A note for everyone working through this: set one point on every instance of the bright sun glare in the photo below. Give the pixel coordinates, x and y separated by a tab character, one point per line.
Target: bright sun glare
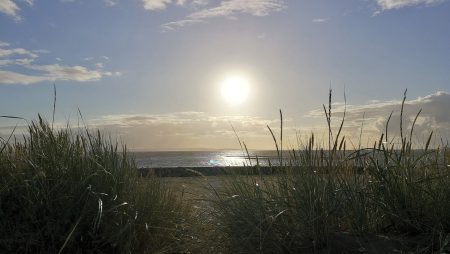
235	89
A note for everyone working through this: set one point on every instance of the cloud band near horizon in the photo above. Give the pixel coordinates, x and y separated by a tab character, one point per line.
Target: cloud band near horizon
200	130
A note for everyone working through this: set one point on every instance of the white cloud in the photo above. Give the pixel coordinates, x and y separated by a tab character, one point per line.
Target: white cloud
229	9
320	20
4	44
41	51
107	2
180	130
8	77
19	61
37	72
186	130
397	4
60	72
199	2
52	72
16	51
156	4
434	116
233	7
184	119
110	2
181	2
10	8
92	58
181	23
99	65
6	62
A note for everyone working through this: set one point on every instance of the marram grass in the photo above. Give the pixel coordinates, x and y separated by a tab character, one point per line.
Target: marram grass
67	192
75	192
332	200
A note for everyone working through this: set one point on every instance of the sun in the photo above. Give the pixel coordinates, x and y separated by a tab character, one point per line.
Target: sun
235	89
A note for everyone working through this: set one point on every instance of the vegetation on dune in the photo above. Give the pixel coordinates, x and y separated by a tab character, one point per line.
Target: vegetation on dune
77	193
378	200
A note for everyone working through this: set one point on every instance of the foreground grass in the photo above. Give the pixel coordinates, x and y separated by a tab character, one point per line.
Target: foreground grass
381	210
381	200
62	191
76	193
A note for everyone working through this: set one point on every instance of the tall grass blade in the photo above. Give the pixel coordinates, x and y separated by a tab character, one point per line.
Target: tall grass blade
401	114
281	138
275	141
54	104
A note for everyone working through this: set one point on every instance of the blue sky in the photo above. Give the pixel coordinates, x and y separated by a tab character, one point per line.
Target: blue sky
150	71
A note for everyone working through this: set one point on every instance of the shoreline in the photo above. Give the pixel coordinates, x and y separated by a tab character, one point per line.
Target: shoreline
220	171
204	171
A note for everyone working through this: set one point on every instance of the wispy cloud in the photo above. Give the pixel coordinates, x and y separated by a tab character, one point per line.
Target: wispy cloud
185	130
374	115
110	2
99	65
18	61
61	72
234	7
4	44
228	9
34	73
53	72
10	8
9	77
194	3
398	4
41	51
320	20
261	36
16	51
155	5
178	130
107	2
184	119
179	24
92	58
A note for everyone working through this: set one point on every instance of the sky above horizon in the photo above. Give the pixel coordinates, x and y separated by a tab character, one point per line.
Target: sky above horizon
151	72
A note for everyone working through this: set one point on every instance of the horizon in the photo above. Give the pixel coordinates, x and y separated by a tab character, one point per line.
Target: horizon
182	75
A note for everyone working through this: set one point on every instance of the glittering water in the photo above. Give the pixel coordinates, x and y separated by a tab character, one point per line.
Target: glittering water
215	158
203	158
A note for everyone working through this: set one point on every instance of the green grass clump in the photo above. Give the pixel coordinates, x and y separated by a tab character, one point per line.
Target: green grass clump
69	192
385	199
75	192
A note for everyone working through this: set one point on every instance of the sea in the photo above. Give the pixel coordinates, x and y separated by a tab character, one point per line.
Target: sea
222	158
229	158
